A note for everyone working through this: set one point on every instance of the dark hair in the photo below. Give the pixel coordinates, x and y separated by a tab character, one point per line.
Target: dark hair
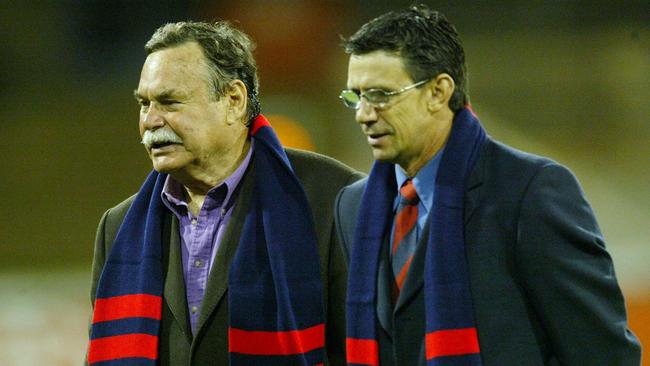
425	40
229	53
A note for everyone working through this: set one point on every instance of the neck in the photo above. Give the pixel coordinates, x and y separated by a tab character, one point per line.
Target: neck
438	140
197	184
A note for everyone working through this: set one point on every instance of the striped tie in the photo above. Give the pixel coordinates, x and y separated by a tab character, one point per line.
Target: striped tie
404	235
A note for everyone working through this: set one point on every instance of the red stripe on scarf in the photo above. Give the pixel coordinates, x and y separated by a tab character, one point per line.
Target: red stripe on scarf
127	306
276	343
123	346
259	122
452	342
362	351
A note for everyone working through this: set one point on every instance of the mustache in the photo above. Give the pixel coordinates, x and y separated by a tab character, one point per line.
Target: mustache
161	136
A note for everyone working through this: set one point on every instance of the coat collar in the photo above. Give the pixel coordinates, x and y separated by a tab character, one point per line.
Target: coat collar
475	181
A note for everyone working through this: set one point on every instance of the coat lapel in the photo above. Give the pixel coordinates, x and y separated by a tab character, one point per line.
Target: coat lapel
174	287
475	181
218	278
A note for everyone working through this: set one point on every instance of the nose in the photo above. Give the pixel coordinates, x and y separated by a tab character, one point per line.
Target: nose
151	118
366	112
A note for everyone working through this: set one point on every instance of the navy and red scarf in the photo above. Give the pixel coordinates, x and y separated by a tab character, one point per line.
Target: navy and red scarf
275	292
450	332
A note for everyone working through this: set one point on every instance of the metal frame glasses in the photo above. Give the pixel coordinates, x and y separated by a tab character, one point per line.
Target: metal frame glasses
377	98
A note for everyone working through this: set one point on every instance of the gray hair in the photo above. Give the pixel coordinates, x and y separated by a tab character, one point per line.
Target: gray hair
228	51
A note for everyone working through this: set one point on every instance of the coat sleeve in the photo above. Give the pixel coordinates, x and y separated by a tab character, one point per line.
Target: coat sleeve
106	232
337	283
99	257
569	276
337	292
341	233
346	209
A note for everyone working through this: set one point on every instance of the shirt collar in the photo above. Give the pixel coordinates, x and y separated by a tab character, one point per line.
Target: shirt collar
424	180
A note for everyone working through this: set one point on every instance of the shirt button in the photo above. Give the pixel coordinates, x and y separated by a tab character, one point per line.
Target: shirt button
194	309
198	263
223	212
194	221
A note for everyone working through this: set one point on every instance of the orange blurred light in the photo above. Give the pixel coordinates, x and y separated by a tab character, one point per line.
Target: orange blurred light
291	133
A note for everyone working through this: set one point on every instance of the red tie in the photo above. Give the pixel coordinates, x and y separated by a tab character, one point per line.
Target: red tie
404	235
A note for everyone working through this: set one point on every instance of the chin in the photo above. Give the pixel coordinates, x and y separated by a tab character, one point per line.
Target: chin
383	155
165	167
164	170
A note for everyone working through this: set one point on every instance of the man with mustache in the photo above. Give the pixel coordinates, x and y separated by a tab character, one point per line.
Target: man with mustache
226	255
461	250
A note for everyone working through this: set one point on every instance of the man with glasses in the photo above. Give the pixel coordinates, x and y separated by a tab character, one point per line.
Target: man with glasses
227	254
461	250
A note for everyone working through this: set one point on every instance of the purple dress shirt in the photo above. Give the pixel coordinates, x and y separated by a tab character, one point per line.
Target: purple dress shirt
201	235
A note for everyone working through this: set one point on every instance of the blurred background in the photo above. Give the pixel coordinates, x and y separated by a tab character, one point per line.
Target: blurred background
566	79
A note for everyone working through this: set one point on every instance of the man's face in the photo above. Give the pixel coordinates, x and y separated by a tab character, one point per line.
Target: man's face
402	131
175	97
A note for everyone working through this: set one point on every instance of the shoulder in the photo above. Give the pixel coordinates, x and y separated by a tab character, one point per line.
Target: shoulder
306	162
352	193
107	229
115	215
348	201
346	209
498	153
504	164
317	170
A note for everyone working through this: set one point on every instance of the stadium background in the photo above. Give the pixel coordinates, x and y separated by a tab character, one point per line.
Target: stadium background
567	79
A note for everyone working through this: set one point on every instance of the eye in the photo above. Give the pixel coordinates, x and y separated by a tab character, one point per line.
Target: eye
350	98
350	95
144	104
376	95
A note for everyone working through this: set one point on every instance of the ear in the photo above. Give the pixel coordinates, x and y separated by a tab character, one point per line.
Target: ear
441	88
237	99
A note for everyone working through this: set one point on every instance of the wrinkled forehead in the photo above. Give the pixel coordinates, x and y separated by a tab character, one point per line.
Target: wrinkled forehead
376	70
175	67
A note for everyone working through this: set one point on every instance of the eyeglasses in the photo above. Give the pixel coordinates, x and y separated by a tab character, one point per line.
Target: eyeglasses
377	98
